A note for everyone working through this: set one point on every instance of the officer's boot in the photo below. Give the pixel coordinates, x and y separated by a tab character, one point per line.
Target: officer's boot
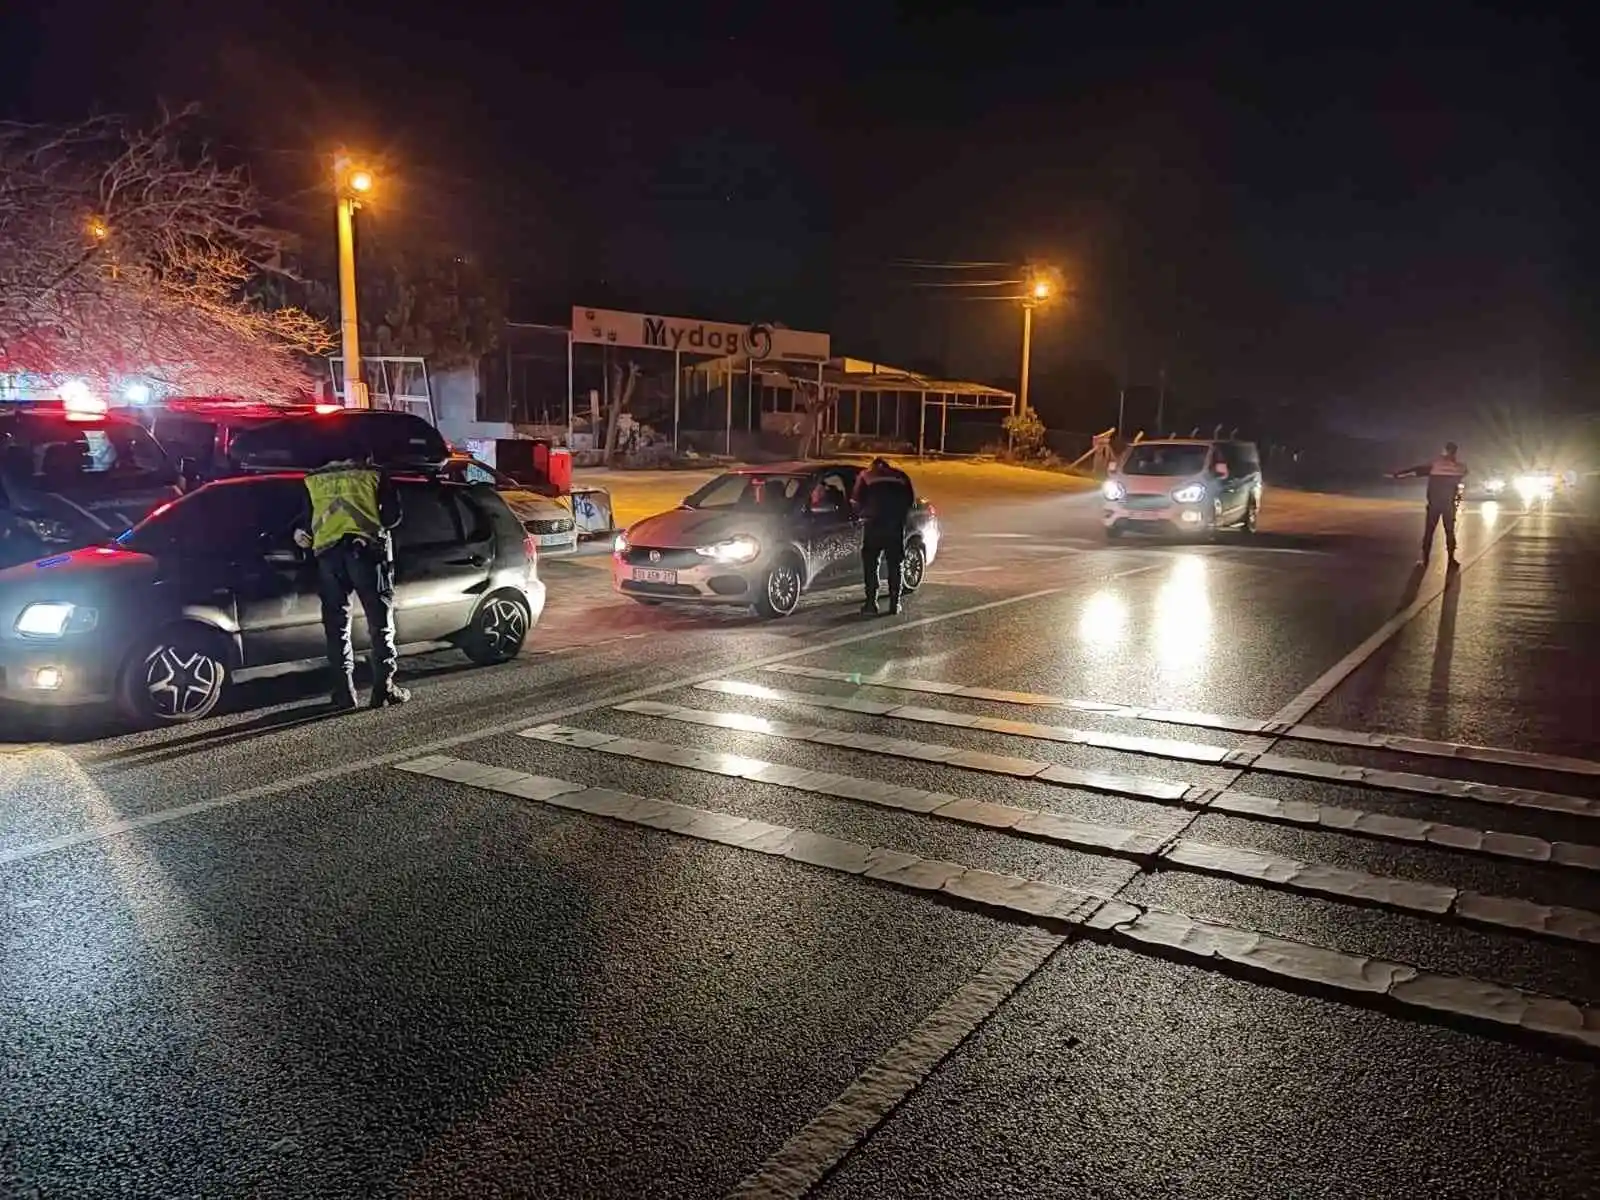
385	691
344	691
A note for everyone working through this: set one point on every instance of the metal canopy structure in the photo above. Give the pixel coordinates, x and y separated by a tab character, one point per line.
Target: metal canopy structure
858	377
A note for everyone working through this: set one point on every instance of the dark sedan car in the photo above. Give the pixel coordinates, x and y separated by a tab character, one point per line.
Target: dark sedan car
761	537
211	590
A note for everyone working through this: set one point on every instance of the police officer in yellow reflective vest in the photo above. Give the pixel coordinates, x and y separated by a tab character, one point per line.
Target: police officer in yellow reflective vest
352	509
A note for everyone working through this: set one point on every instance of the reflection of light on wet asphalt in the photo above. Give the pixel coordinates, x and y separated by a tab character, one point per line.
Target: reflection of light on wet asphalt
1489	510
1103	621
1181	627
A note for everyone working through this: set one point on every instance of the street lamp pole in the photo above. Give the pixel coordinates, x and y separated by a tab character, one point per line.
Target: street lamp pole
1038	293
1027	356
352	183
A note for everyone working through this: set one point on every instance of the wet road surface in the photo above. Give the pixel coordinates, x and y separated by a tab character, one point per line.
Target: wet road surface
1084	877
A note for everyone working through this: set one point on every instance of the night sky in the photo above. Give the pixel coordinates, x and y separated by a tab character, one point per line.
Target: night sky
1376	214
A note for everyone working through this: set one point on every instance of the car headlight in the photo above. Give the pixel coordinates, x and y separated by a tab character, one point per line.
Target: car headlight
1191	493
1112	490
619	544
1495	486
1536	487
55	618
734	550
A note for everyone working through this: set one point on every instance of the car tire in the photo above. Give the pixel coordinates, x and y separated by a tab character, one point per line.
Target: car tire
176	676
499	629
1252	519
647	601
780	590
1113	533
913	567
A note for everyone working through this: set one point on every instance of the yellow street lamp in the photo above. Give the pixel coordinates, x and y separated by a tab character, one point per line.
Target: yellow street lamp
1038	292
351	183
97	229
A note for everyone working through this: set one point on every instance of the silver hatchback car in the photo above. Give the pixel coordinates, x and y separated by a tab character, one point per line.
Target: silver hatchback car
1191	486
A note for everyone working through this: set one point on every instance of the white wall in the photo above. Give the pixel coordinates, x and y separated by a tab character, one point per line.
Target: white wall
455	399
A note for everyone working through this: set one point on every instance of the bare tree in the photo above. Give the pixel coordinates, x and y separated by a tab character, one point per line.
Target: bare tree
133	252
622	387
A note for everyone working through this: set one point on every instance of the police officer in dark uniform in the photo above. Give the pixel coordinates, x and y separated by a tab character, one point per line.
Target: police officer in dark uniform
883	499
1444	475
352	507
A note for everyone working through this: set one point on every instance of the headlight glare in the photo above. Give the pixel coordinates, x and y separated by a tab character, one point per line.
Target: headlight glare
734	550
1112	490
54	618
1191	493
619	544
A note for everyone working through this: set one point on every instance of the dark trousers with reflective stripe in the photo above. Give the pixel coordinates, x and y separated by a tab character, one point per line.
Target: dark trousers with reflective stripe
1437	514
362	567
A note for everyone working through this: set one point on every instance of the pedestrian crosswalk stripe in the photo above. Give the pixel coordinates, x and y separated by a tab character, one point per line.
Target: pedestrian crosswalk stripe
1394	742
1354	821
1144	846
1242	760
1397	987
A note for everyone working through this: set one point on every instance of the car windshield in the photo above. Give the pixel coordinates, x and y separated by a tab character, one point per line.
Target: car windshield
1169	459
59	454
470	470
745	490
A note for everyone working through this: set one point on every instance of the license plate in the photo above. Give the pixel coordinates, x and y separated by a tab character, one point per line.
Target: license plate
646	575
553	539
1136	515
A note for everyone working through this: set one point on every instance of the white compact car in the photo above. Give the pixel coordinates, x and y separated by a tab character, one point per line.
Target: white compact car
1186	486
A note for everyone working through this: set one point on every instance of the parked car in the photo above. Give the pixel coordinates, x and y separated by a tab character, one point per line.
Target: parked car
1188	486
308	440
210	591
70	479
198	433
760	537
548	522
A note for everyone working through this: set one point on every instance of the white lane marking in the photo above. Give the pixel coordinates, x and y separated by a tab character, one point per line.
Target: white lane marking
1142	846
311	778
1018	536
1355	977
1378	826
823	1142
1323	686
1397	743
1200	752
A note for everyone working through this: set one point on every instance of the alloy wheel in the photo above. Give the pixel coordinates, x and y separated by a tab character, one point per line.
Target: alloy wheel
181	682
783	589
504	624
912	568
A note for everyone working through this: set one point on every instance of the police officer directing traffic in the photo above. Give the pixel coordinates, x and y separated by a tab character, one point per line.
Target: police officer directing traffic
1444	475
883	499
353	506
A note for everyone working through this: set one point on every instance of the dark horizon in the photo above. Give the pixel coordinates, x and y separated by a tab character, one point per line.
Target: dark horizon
1377	219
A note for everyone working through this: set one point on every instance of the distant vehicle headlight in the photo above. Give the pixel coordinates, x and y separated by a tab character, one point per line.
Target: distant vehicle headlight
54	618
1495	486
1113	490
1191	493
619	544
734	550
1536	487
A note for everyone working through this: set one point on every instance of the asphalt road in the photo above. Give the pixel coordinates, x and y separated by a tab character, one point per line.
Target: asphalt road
1057	885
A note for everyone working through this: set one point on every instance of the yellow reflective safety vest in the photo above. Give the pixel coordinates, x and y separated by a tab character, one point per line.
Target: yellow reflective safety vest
344	503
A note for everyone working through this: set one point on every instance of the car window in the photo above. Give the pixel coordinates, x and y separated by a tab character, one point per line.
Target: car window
224	521
59	453
428	518
748	490
830	491
1242	458
476	472
473	519
184	437
1166	459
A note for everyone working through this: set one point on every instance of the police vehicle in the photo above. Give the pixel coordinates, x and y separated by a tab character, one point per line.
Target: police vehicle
72	475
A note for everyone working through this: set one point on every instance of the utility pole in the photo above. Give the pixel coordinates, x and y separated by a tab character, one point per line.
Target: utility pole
351	183
1027	355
